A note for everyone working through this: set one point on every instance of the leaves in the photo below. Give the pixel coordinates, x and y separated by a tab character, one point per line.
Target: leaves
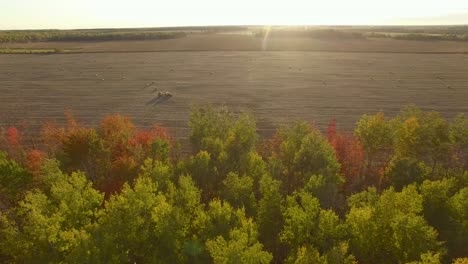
121	194
389	228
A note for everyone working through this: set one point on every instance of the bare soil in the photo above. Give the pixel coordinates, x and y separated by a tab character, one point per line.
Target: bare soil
278	87
246	42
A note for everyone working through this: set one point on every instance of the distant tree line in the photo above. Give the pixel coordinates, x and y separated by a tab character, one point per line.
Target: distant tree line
87	35
394	191
420	36
309	33
352	33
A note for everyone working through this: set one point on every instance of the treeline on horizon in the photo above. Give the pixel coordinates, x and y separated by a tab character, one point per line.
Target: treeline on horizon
352	33
393	191
417	33
108	34
85	35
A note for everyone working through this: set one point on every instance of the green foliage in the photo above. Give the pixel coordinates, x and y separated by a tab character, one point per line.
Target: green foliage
53	224
240	142
143	216
338	254
241	246
403	171
14	180
389	228
126	196
305	223
208	127
159	172
84	35
375	133
223	144
203	172
269	215
458	134
428	258
459	131
238	191
459	214
303	153
422	135
160	150
221	218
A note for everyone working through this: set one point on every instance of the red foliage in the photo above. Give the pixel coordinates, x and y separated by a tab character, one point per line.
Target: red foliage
115	127
123	169
116	130
331	131
13	136
110	155
71	122
146	137
52	136
34	160
349	153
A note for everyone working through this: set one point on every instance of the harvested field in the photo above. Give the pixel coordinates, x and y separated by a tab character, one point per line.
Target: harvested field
277	87
246	42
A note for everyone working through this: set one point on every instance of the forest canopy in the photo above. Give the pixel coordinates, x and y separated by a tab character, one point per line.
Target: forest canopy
393	191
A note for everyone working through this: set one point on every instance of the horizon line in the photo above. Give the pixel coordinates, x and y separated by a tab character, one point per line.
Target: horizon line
251	25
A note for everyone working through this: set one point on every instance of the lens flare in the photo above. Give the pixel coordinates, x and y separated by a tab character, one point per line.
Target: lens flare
266	32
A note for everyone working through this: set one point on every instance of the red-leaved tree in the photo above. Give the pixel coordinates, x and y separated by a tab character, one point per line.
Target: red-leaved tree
349	153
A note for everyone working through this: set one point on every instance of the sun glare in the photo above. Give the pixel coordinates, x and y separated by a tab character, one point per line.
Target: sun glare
149	13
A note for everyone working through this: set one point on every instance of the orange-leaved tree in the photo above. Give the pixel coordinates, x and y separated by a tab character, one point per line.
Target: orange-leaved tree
350	155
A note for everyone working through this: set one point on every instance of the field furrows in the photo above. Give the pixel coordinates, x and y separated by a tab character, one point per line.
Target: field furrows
277	87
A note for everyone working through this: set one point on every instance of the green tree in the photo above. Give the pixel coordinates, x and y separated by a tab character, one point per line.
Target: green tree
458	133
403	171
187	222
161	173
221	218
375	134
439	213
240	142
50	225
424	136
223	144
389	228
143	217
337	255
269	215
208	128
428	258
241	246
238	191
14	181
305	223
302	153
459	214
205	174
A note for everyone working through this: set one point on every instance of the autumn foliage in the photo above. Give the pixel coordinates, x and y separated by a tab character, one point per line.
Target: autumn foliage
34	161
13	136
350	155
393	191
111	154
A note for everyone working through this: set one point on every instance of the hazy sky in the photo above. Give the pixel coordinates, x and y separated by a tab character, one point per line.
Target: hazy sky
36	14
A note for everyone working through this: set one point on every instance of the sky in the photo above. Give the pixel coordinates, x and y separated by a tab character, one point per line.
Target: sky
69	14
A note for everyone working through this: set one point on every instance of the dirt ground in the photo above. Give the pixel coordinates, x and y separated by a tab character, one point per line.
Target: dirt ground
278	87
245	42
